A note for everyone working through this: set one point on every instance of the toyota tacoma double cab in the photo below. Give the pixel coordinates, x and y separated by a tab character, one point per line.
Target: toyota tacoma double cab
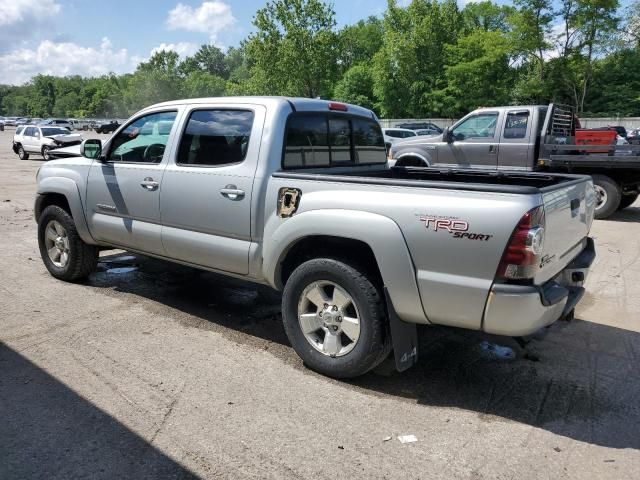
297	194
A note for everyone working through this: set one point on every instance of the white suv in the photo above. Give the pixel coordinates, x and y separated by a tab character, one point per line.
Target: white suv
42	139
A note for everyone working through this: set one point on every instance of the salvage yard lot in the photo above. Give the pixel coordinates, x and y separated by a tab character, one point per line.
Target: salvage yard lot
153	370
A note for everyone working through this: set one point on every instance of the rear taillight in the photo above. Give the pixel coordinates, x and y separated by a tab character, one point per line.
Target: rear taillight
522	256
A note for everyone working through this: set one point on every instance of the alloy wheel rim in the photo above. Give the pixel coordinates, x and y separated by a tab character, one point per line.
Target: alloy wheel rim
56	242
329	318
601	196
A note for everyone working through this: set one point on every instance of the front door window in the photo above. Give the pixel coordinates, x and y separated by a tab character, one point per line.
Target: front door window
143	140
482	125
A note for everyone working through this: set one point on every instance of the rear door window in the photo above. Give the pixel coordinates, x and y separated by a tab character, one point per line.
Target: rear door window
214	137
516	125
322	140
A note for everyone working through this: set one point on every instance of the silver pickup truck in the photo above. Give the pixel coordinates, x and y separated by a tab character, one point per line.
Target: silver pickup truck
297	194
529	138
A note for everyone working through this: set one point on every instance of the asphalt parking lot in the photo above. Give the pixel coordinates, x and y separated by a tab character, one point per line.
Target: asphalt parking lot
151	370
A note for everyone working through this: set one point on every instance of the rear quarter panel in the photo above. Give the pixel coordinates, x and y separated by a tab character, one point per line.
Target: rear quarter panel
453	274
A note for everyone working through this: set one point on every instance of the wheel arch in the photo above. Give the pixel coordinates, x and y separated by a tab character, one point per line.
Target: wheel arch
64	193
370	239
409	158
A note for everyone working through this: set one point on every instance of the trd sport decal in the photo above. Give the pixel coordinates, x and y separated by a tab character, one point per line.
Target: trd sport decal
454	226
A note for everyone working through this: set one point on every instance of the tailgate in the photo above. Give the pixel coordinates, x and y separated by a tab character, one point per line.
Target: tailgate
568	210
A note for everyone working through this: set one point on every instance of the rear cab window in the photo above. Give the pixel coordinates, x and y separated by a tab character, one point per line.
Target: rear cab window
326	139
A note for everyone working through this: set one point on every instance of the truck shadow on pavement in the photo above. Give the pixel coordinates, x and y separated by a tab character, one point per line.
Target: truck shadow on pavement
580	381
629	214
49	431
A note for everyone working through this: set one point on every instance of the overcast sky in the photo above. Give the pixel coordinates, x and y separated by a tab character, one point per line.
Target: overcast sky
88	37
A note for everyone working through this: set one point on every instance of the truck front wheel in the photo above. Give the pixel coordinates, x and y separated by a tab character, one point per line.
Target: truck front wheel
608	196
62	250
335	319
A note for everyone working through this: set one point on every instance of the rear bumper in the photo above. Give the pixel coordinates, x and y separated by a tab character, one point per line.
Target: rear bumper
516	310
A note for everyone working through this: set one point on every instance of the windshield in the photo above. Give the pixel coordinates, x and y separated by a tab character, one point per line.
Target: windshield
54	131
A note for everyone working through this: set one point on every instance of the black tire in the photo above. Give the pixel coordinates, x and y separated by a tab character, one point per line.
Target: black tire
613	196
627	201
46	152
374	342
83	258
22	155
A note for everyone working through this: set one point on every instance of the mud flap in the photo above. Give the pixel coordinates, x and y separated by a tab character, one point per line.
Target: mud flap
404	337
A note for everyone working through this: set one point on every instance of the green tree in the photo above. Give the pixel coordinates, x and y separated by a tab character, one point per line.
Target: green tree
294	50
209	59
478	72
360	42
356	86
531	29
203	84
410	67
154	81
487	16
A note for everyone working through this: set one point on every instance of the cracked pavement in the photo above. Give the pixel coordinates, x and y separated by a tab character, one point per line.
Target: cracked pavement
152	370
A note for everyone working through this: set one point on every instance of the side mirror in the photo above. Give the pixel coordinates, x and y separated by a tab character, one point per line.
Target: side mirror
446	135
91	148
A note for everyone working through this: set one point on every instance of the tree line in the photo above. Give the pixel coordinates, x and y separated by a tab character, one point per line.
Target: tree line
428	59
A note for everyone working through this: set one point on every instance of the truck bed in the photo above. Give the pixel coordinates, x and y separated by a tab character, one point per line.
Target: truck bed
462	179
591	156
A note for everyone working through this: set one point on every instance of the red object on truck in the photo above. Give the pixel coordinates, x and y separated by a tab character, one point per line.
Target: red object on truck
596	137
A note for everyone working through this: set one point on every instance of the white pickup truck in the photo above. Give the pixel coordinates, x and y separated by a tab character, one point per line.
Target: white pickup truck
297	194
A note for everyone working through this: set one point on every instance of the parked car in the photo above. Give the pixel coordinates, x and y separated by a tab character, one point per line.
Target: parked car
633	136
427	132
57	122
22	121
107	127
393	135
78	124
10	121
362	253
529	138
42	140
620	129
420	126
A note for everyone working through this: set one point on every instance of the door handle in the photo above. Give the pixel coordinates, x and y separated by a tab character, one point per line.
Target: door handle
149	183
493	148
232	192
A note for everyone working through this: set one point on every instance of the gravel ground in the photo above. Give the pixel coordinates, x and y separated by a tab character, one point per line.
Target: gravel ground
150	370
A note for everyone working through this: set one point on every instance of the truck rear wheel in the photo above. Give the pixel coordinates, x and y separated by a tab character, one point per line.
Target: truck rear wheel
627	201
335	319
608	196
62	250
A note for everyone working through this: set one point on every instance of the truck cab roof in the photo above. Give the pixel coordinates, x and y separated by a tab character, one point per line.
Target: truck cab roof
296	104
